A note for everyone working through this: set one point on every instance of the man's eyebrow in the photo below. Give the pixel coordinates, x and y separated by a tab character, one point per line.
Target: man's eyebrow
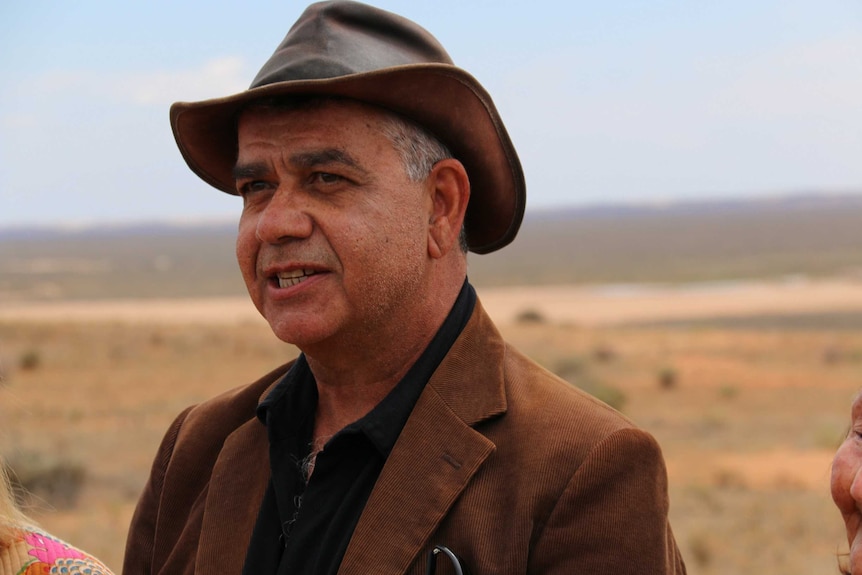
306	160
249	171
326	156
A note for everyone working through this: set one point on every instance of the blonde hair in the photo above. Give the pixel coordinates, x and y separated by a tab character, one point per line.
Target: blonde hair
12	519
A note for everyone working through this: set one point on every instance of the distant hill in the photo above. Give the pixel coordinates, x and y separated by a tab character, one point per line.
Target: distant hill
810	235
683	242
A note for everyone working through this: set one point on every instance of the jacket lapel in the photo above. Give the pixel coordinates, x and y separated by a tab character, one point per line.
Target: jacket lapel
435	457
237	485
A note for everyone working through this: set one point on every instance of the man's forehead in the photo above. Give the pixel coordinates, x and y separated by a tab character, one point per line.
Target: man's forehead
337	123
342	120
307	137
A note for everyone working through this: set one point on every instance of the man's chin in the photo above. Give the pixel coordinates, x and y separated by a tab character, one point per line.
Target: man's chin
298	331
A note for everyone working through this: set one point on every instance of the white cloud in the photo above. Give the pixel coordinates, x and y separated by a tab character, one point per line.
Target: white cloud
216	78
19	121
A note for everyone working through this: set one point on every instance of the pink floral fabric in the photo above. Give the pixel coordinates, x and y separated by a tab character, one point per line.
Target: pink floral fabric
48	550
38	553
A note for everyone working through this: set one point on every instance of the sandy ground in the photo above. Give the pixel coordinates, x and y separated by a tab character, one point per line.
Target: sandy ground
748	431
765	470
586	306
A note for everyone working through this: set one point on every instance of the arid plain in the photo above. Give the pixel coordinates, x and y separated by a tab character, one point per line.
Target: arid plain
745	379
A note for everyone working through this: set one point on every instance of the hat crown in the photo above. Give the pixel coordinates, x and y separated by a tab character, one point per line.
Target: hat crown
340	38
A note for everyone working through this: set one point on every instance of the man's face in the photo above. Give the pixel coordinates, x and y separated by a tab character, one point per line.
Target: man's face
847	484
332	240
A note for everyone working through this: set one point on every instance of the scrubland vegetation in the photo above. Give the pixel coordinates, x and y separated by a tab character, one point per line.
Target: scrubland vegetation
748	409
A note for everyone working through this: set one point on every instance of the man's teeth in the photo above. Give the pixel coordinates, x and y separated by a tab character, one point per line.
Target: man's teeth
291	278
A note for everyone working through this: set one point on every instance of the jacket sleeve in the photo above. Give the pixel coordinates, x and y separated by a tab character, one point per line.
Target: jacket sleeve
612	515
140	543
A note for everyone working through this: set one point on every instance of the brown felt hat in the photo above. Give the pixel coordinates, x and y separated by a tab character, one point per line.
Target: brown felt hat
351	50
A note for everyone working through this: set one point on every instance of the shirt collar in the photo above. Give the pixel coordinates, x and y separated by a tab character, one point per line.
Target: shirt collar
289	407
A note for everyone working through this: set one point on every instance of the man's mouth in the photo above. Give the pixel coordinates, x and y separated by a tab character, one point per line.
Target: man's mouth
292	278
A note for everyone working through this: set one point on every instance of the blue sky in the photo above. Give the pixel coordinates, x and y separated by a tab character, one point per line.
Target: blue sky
616	101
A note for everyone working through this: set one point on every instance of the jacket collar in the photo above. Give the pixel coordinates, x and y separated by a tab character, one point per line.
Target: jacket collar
436	456
433	461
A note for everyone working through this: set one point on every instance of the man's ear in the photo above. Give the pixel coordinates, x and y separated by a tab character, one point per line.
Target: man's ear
449	189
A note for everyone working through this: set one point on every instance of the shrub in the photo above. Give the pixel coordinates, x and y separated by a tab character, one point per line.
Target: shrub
728	391
701	549
570	368
604	354
575	371
603	392
668	378
57	481
30	360
530	316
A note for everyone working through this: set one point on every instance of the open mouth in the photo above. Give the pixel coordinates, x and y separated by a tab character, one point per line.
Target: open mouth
294	277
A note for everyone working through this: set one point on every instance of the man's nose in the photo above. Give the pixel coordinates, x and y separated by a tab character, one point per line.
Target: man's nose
286	216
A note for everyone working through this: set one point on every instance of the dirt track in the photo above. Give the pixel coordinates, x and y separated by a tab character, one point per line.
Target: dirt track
598	306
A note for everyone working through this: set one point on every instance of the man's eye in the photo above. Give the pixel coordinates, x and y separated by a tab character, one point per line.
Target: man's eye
252	187
327	178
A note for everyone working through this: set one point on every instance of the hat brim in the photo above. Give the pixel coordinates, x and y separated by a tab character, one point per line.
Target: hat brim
442	98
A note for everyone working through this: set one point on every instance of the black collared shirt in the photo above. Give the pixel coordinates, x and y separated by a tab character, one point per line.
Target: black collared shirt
305	528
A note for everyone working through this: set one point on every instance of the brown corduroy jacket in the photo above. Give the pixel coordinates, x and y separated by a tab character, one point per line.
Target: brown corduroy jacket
513	469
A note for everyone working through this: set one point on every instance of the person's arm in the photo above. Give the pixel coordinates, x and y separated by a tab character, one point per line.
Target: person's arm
142	531
612	516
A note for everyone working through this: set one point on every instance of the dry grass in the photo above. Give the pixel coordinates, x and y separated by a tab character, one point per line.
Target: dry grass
103	395
748	427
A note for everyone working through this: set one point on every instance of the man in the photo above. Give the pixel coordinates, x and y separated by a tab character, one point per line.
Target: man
368	166
846	486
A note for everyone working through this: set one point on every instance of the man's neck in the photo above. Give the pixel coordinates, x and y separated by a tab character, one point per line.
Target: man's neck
354	377
349	390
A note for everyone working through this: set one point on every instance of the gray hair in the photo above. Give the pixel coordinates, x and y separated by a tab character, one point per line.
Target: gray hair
419	151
